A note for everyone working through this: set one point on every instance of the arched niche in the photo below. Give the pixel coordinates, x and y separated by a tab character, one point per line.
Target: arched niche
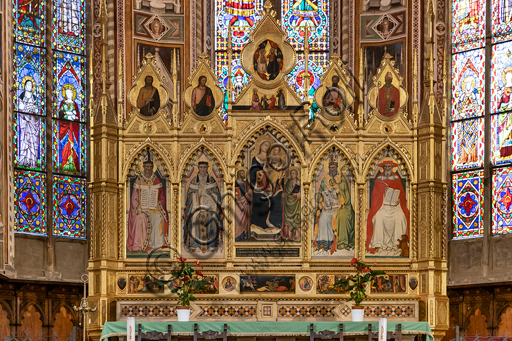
202	195
268	188
147	204
388	203
332	203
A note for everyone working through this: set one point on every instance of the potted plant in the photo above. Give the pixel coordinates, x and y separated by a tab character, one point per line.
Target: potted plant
356	286
185	283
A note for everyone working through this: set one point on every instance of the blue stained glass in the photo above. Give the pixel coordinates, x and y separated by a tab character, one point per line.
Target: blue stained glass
317	62
29	21
311	13
30	202
29	79
69	80
69	196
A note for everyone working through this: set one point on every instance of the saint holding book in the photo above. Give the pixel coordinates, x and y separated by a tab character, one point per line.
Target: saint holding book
388	218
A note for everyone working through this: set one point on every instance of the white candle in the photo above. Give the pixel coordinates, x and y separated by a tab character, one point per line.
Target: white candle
130	329
383	329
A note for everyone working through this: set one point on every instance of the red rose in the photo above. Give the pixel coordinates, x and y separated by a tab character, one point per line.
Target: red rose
197	263
181	259
186	279
354	261
199	273
366	269
176	285
376	264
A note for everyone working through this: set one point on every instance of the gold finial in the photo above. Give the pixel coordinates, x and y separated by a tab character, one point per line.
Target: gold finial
360	111
175	87
120	79
230	51
415	111
269	8
306	62
91	84
445	80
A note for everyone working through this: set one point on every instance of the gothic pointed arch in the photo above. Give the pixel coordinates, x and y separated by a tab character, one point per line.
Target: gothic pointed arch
402	154
134	155
190	155
321	152
280	134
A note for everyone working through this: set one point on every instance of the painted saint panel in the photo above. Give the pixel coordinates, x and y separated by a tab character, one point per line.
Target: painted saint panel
143	284
69	80
388	221
69	195
501	20
373	57
30	202
29	21
68	32
468	144
468	84
213	287
501	78
297	14
29	142
501	138
29	93
267	283
69	141
502	201
268	195
148	214
468	199
333	213
203	216
268	60
468	24
390	284
325	284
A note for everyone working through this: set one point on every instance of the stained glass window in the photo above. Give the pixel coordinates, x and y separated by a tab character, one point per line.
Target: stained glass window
468	24
502	201
68	207
297	14
30	202
468	211
474	77
64	116
243	15
501	20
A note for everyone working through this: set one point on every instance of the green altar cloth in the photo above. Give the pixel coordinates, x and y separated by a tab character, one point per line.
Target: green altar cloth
265	328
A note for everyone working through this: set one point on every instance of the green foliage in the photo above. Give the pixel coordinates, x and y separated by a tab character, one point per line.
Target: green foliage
356	284
186	282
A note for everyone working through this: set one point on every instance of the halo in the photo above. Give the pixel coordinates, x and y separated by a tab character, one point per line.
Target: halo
269	155
239	168
68	86
295	168
388	160
507	70
466	80
27	78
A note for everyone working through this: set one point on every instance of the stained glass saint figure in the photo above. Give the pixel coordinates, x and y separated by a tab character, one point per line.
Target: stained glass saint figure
240	13
469	14
69	146
69	22
29	131
29	14
68	108
468	101
305	11
505	100
505	11
468	152
28	98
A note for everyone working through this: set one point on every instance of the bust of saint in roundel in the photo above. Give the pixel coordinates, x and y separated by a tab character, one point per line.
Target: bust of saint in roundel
268	60
202	99
148	100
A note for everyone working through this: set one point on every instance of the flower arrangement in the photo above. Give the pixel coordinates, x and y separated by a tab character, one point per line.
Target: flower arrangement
356	284
186	282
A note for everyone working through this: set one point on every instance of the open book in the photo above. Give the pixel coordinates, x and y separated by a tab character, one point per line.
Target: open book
391	196
148	197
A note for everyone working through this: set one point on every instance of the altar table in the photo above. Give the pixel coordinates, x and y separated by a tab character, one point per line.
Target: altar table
258	328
